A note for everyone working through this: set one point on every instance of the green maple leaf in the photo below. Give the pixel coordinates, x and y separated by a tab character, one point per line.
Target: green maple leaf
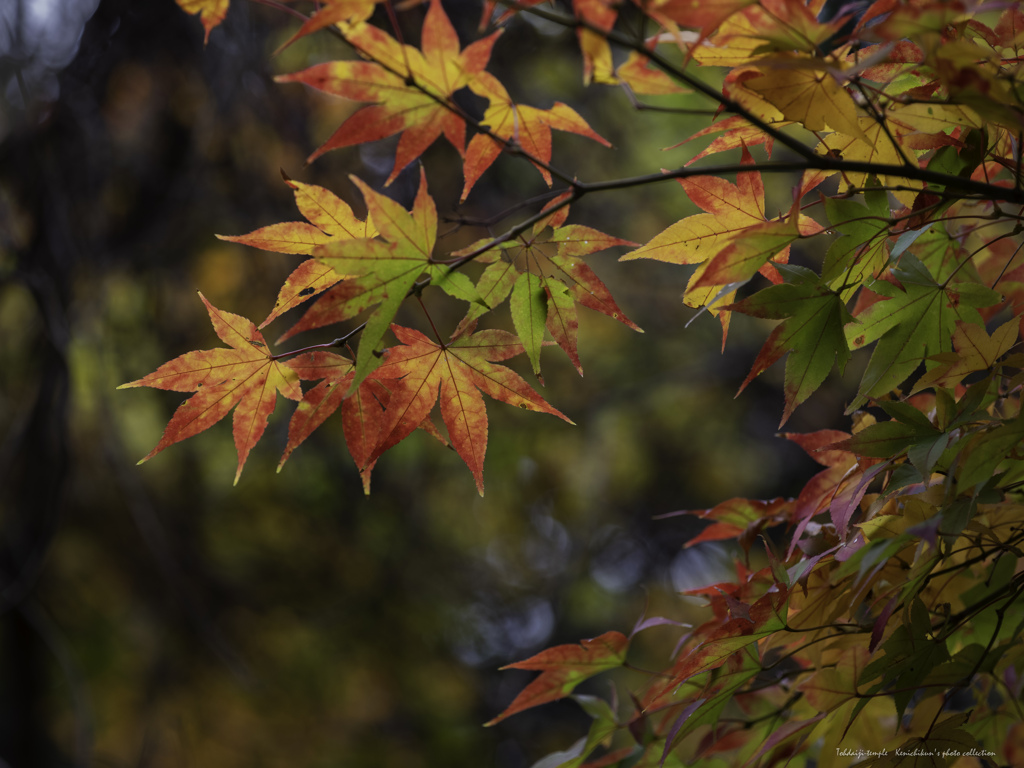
861	251
386	270
811	332
545	277
916	320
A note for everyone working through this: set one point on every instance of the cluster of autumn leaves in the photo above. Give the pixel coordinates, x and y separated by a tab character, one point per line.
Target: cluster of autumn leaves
892	583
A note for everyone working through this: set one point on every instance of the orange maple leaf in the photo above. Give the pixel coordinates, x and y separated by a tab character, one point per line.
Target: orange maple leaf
330	13
458	371
526	128
246	376
411	90
706	15
730	209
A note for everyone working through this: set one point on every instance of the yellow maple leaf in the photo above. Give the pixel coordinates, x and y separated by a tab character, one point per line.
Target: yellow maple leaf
806	92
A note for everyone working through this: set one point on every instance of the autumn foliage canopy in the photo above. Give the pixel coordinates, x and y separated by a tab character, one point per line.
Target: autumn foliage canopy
876	618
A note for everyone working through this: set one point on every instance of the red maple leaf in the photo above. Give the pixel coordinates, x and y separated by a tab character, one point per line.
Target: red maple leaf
458	372
362	412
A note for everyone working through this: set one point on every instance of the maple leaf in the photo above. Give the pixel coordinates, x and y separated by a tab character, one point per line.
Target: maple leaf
974	349
765	615
328	219
811	332
747	254
362	411
732	240
706	15
881	145
333	12
637	73
564	667
729	210
599	17
805	91
737	517
526	128
737	131
789	25
411	89
917	320
862	250
546	277
246	376
335	374
384	271
458	372
211	13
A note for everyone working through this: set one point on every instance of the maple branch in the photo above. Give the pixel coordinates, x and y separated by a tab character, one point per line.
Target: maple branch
727	104
812	159
490	221
968	187
341	341
514	231
641	106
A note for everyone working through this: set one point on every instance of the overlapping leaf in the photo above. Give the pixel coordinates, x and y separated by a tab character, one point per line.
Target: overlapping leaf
245	375
974	350
861	251
729	210
545	277
805	91
765	615
382	271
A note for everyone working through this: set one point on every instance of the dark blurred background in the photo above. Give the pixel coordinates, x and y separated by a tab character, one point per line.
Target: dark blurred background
158	616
